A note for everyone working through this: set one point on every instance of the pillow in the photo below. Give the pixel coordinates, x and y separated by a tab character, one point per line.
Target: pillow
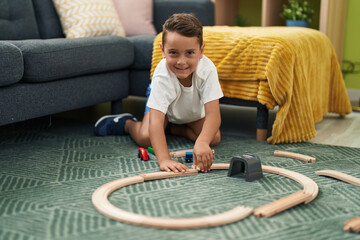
88	18
136	16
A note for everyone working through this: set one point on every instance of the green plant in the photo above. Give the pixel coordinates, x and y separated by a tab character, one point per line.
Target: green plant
297	10
239	21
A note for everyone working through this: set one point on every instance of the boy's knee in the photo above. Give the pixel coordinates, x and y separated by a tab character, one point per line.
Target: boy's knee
144	139
216	139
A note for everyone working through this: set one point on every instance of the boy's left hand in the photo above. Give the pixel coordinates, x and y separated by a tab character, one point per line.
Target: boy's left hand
202	156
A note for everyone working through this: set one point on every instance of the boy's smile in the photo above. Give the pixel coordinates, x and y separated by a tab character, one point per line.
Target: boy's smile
182	55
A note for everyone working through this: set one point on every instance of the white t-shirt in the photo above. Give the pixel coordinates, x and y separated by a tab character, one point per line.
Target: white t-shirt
184	104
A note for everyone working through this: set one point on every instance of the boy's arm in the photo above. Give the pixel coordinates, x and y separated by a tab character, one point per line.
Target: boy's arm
203	156
158	143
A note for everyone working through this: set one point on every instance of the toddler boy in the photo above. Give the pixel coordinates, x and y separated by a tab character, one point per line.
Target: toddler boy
184	91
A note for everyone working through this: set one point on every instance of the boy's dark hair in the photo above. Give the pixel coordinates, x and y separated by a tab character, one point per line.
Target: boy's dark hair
185	24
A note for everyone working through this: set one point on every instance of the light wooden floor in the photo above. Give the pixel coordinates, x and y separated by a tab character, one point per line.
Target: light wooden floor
333	129
342	131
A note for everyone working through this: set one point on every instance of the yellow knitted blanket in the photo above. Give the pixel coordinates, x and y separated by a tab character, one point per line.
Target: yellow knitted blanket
294	68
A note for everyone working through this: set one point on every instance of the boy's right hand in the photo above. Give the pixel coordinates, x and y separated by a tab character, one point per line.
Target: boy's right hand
172	166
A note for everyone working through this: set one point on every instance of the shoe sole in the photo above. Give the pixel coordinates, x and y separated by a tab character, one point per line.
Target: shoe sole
115	115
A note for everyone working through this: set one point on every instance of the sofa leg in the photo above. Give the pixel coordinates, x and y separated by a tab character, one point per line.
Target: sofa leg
262	123
116	107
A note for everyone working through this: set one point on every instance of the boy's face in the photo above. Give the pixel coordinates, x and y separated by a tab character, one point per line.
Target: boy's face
182	54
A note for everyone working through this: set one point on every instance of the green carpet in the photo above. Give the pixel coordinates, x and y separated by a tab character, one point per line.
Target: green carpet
48	173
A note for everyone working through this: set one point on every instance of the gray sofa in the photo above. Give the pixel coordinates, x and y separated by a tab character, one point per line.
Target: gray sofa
43	73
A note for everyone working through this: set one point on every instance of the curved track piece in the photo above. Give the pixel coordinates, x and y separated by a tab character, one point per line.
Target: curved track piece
308	194
103	205
311	189
352	225
298	156
339	175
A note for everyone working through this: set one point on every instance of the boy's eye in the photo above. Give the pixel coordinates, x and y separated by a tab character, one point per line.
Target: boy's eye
172	52
190	52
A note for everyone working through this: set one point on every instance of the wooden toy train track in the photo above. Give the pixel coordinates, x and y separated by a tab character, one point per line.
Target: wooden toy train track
339	175
352	225
103	205
298	156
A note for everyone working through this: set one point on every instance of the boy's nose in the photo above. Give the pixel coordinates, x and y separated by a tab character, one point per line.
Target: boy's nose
181	61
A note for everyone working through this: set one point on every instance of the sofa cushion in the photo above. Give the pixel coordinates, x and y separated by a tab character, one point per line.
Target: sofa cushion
17	20
47	19
143	46
52	59
136	16
88	18
11	64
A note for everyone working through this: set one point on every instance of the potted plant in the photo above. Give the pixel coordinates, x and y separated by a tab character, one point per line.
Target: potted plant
297	13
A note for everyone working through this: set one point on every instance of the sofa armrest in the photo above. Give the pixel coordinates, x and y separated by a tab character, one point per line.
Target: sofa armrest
11	64
203	10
